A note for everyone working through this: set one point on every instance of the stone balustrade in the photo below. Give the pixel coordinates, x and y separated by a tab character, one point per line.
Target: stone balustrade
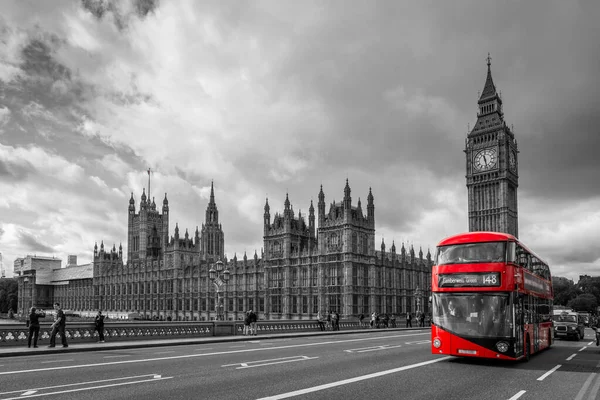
82	332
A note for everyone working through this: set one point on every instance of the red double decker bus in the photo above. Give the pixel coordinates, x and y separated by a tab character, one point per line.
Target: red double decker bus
491	297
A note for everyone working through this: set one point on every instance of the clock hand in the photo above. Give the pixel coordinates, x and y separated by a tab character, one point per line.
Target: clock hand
484	159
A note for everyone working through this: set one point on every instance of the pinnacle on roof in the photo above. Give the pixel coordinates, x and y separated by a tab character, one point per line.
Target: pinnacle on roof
489	89
212	193
165	201
131	200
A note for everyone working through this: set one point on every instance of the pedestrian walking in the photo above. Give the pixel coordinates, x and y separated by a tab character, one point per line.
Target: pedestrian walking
373	318
422	320
59	325
320	321
408	320
34	326
360	319
99	326
253	321
247	323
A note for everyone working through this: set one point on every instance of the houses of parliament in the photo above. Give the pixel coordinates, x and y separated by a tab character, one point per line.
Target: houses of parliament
324	261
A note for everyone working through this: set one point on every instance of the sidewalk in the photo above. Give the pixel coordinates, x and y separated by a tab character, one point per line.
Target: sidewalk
14	351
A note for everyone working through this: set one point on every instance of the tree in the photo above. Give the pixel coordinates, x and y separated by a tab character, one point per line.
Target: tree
8	295
564	290
585	302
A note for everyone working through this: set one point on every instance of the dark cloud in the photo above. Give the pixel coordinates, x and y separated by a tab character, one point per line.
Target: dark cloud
30	243
15	173
100	8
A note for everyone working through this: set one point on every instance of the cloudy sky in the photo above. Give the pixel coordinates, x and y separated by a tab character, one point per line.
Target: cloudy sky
275	97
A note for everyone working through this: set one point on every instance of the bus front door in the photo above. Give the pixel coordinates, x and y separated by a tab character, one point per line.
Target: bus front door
518	324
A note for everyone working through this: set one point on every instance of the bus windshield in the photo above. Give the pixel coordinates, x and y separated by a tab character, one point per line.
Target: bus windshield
564	318
471	253
473	314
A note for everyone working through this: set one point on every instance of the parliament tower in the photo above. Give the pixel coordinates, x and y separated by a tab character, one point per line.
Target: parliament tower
492	166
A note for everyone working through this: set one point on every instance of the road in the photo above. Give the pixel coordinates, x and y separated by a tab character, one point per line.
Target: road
382	364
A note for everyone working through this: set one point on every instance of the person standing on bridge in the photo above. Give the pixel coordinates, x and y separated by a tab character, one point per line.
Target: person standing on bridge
59	325
34	326
408	319
99	326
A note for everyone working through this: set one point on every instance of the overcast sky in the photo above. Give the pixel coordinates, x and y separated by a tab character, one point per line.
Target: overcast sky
275	97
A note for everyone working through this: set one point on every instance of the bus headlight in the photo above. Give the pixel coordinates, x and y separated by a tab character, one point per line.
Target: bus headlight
437	343
502	347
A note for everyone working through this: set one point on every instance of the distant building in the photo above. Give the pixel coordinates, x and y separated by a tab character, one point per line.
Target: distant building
305	268
71	261
492	166
35	277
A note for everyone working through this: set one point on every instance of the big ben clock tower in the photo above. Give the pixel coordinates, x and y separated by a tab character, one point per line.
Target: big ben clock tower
492	167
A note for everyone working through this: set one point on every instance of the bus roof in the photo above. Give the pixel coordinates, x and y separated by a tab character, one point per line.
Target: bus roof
475	237
483	236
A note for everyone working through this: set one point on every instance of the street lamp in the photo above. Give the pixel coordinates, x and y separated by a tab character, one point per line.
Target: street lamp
219	278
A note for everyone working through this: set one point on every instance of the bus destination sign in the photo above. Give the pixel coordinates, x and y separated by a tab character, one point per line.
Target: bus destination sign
475	279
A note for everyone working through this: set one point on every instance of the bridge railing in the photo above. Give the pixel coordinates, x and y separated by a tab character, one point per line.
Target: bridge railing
84	332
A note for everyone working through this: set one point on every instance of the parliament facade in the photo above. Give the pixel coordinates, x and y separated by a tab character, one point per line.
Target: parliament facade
329	263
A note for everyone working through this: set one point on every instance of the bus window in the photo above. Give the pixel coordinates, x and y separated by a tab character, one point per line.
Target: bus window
471	253
511	255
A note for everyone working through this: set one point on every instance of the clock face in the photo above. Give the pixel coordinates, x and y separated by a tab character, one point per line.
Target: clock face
485	159
512	161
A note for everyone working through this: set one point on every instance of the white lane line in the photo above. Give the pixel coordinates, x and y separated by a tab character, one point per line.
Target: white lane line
419	342
29	393
55	361
583	348
590	343
115	356
91	388
594	391
585	386
352	380
373	348
541	378
291	346
83	383
571	357
263	363
519	394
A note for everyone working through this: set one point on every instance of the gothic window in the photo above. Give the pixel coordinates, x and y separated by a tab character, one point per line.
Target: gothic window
294	277
314	276
354	242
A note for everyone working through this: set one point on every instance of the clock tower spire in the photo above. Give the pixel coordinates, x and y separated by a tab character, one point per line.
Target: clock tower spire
492	174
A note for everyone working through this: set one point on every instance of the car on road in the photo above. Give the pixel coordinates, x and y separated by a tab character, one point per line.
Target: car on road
568	325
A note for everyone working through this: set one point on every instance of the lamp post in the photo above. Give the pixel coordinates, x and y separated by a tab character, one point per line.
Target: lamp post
219	278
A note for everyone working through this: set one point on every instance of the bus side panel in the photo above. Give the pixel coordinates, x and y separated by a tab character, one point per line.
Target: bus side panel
456	346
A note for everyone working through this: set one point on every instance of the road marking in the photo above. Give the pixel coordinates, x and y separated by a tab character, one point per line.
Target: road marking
262	363
29	393
55	361
419	342
81	383
352	380
541	378
519	394
595	388
590	343
372	348
571	357
585	386
291	346
583	348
